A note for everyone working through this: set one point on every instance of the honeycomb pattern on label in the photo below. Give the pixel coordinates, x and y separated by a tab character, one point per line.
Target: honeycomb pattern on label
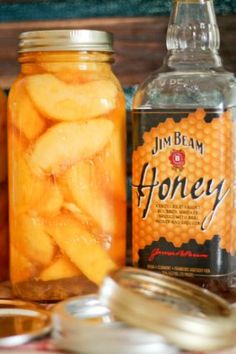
179	220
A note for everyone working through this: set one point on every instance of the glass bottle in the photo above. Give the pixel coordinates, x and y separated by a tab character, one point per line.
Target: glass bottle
66	165
184	170
3	191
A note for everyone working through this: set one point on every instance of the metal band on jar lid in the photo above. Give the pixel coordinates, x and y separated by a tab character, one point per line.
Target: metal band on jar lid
186	315
84	325
65	40
21	322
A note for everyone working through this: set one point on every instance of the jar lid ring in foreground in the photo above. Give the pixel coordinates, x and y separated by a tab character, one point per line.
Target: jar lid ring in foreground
21	322
186	315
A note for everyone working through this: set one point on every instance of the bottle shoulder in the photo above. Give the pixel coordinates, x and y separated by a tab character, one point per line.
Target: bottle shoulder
206	88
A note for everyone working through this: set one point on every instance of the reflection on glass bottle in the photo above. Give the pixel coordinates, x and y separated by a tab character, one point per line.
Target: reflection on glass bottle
183	179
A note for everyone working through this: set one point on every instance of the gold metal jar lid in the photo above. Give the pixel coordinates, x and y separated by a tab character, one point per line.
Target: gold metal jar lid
21	322
65	40
82	324
184	314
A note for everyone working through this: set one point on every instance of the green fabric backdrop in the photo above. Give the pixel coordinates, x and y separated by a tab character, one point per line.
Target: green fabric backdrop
64	9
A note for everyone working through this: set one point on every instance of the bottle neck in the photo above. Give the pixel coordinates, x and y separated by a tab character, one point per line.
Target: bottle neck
193	37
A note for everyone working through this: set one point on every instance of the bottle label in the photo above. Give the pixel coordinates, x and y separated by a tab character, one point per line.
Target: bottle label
183	192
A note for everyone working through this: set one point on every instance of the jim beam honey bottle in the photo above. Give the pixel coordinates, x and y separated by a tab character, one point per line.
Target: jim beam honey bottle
184	163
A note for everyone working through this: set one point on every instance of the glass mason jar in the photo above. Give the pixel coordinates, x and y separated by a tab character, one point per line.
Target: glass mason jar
3	191
66	165
184	154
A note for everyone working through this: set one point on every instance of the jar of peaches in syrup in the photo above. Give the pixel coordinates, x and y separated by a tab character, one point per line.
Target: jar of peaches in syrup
66	165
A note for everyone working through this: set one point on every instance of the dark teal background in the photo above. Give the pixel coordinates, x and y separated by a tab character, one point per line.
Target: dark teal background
66	9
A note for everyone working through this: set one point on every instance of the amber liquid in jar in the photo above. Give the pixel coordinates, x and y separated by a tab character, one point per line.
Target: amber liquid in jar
67	174
3	191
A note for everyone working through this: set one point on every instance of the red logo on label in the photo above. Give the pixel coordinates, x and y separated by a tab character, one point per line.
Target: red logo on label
177	159
181	253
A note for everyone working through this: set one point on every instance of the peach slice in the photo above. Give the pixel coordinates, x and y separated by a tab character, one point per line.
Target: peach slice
31	193
17	143
39	196
21	268
20	176
76	66
51	201
110	163
23	114
63	185
87	194
80	247
78	214
60	101
117	250
29	237
66	143
78	72
111	169
62	268
81	77
28	188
